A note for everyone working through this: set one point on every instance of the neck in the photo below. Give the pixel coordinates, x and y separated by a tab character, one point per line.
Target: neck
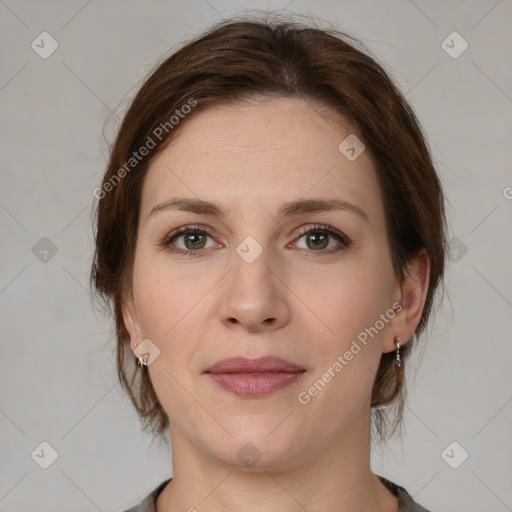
338	477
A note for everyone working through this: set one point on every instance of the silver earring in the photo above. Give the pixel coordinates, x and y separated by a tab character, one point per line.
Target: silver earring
398	360
141	353
143	360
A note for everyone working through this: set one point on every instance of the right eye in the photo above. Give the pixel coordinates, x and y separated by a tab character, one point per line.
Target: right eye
192	239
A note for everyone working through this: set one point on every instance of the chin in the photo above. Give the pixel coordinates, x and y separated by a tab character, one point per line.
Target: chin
254	449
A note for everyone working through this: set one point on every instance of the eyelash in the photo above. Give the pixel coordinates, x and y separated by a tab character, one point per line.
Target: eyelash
201	230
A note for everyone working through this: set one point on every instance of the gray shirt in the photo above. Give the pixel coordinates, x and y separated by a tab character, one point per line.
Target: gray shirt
405	502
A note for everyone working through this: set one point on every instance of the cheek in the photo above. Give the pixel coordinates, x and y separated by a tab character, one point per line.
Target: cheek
161	300
173	307
347	355
168	308
353	299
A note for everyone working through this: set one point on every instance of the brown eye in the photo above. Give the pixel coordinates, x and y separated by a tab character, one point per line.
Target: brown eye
188	240
323	239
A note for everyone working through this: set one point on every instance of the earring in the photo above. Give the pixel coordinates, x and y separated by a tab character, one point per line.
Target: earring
398	360
141	352
143	360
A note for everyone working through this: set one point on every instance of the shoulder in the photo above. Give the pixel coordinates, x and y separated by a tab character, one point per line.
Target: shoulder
405	501
148	504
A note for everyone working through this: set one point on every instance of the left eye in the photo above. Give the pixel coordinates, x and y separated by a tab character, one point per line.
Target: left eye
320	238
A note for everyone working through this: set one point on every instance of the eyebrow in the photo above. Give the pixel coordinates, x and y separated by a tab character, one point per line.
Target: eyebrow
290	209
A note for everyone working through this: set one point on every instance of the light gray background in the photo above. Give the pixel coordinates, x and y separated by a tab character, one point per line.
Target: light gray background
58	381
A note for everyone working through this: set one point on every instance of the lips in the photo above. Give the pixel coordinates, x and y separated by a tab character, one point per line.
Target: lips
261	365
254	377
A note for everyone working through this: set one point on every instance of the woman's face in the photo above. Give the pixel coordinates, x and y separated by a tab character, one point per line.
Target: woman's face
262	276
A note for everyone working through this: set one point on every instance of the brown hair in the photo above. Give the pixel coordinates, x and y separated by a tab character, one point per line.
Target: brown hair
247	58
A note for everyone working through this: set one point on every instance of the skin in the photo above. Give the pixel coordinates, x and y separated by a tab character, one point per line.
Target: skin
295	301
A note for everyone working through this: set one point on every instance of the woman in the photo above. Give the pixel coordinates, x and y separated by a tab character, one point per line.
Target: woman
270	234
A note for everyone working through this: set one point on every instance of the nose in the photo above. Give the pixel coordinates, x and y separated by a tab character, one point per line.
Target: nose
255	296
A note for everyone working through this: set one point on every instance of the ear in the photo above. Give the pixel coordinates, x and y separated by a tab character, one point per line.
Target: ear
411	294
131	322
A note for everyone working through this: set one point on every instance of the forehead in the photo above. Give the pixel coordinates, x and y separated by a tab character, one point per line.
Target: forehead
262	153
